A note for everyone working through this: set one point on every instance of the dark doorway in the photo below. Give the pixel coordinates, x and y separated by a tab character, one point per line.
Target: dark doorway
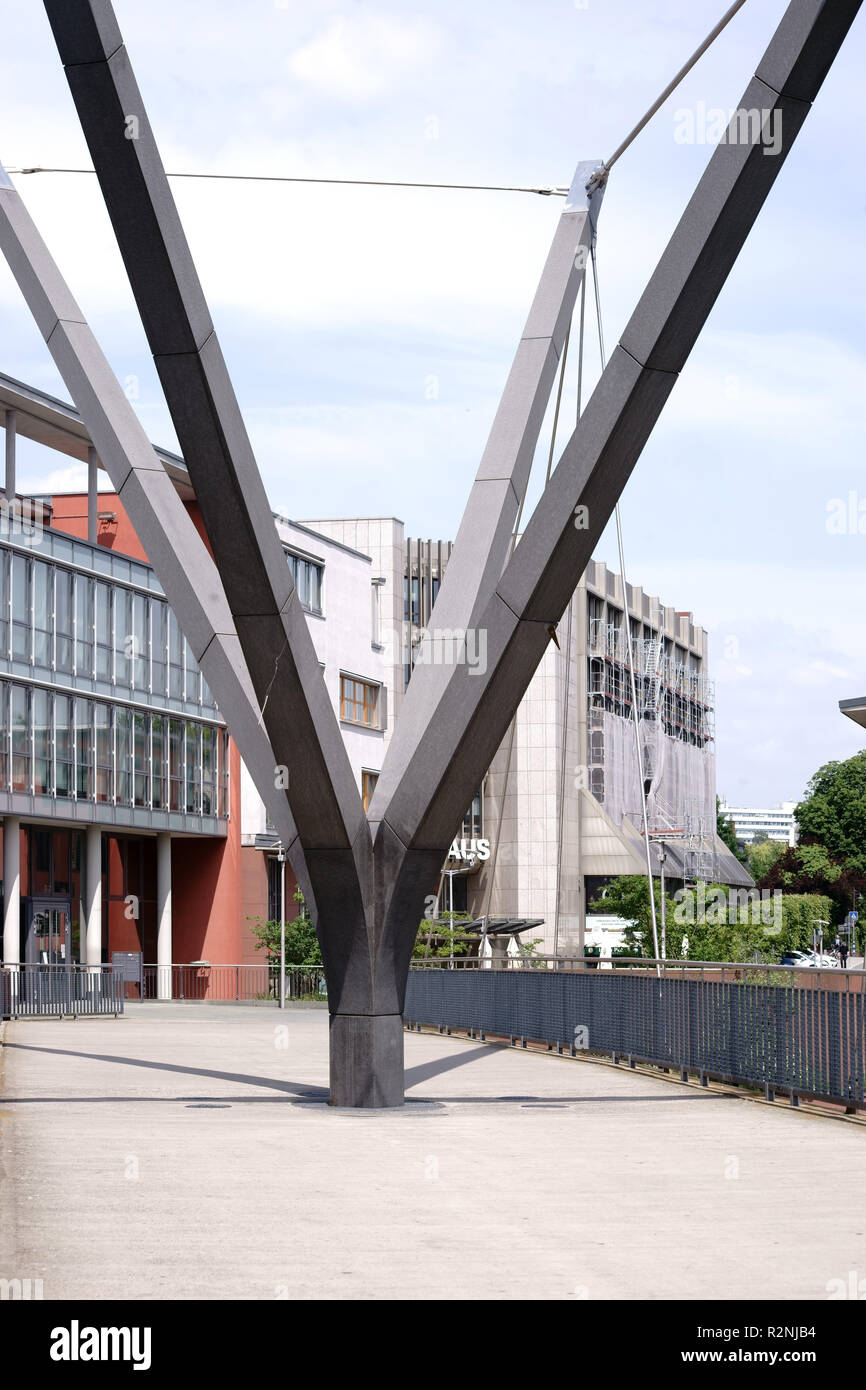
48	932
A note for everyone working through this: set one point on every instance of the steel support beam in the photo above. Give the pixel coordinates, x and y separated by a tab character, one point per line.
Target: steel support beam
268	617
177	552
370	887
485	533
431	787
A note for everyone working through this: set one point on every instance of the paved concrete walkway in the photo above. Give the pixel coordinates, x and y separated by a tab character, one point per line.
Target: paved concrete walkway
184	1152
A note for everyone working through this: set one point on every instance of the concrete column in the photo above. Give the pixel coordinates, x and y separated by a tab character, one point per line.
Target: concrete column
11	417
163	916
11	890
92	951
92	495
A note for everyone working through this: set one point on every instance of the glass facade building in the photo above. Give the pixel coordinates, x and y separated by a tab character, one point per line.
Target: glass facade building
103	707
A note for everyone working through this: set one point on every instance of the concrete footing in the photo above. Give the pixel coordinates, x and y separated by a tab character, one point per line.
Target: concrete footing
366	1052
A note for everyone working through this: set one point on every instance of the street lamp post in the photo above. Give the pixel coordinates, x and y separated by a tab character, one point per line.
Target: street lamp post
662	858
281	858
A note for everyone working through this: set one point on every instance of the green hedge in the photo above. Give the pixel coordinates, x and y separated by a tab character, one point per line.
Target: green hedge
741	941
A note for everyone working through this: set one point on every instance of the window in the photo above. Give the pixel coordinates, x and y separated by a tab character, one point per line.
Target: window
141	770
64	612
138	642
191	690
21	607
368	786
208	770
122	734
193	769
175	659
123	638
20	740
4	729
84	749
308	578
42	613
104	753
83	625
158	764
4	602
159	638
175	758
63	745
473	821
103	631
41	708
358	702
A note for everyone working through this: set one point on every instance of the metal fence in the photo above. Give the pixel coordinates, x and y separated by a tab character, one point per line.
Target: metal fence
753	1025
57	991
231	983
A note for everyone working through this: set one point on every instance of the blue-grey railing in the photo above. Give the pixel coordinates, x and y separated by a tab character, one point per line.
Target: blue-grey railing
57	991
757	1030
224	984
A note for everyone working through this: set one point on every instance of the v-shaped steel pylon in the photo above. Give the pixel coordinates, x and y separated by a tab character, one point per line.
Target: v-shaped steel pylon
368	875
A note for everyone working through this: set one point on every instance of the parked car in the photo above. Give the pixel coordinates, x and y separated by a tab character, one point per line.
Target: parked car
812	960
793	957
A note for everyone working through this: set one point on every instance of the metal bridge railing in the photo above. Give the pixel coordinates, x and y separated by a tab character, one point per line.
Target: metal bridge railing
231	983
58	991
795	1032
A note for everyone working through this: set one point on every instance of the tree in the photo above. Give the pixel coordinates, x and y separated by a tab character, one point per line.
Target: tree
628	897
444	936
833	812
761	855
302	944
808	868
728	835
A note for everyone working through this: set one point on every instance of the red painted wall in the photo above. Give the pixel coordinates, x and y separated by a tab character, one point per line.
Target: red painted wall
206	889
207	912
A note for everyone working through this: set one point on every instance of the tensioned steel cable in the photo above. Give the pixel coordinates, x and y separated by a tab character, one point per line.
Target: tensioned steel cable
566	680
513	726
544	191
637	739
600	176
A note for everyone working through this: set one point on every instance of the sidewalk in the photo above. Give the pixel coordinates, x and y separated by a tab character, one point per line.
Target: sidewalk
185	1151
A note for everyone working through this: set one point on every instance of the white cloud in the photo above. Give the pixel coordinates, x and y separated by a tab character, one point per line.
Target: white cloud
820	673
360	58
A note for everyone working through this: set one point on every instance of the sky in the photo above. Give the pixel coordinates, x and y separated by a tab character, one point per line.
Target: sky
369	331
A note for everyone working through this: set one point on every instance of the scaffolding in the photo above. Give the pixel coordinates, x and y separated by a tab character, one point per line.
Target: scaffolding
673	693
675	702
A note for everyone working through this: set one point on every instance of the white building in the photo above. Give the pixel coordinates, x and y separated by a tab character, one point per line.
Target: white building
776	822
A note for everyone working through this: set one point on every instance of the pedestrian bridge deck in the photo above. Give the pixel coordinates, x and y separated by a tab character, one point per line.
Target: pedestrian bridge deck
185	1151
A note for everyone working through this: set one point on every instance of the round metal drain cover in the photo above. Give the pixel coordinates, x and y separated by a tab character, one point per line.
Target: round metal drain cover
415	1108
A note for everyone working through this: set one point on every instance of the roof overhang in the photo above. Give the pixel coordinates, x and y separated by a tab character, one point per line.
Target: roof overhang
855	709
59	426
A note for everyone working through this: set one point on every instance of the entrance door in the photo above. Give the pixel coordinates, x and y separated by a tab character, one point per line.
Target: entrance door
48	939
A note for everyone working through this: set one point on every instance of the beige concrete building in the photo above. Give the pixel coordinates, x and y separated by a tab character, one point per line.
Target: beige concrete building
561	804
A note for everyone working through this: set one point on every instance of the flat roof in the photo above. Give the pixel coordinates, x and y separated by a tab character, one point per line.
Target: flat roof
58	425
855	709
